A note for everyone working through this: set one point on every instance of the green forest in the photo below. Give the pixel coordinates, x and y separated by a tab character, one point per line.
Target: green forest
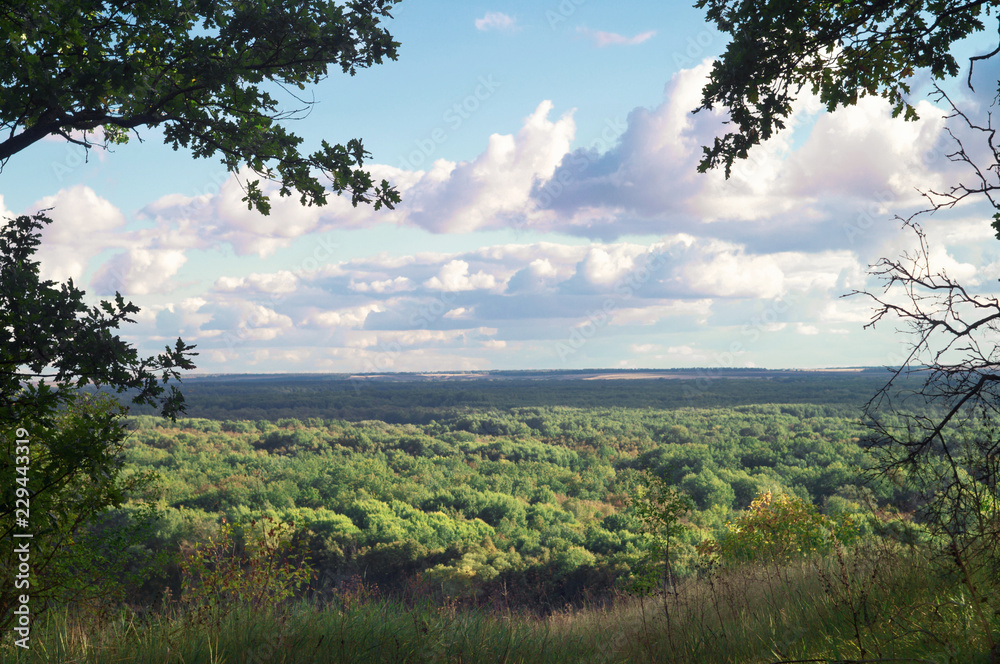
609	501
467	501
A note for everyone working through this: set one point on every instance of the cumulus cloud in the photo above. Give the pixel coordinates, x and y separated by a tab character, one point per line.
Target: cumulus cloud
830	180
83	225
798	223
643	348
650	171
807	188
735	274
352	317
653	313
538	275
455	276
139	271
244	321
460	312
382	286
862	150
384	313
278	282
494	189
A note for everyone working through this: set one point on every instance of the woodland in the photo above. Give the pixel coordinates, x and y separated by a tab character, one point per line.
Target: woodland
522	503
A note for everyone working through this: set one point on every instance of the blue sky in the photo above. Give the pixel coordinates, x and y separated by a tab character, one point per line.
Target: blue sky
552	215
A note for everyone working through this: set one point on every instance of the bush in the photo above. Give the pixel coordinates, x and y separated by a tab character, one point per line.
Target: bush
255	565
779	528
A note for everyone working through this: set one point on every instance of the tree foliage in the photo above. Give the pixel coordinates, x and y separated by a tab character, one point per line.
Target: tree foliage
660	507
841	51
51	343
777	529
62	464
204	72
60	476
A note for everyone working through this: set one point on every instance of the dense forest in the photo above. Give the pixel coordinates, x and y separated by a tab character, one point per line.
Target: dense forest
464	490
514	517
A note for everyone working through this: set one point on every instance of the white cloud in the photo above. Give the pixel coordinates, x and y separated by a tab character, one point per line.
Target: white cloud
278	282
351	317
83	225
139	271
643	349
680	350
454	276
540	274
285	358
653	313
493	190
798	222
239	322
735	274
853	310
650	171
460	312
4	212
251	232
864	149
854	166
496	21
382	286
605	266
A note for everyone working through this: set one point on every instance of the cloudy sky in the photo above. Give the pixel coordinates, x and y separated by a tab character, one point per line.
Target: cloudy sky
552	213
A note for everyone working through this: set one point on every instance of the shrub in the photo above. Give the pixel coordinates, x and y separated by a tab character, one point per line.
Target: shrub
256	566
778	528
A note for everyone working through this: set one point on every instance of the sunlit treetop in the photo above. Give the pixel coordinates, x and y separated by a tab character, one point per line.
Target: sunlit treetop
197	69
840	50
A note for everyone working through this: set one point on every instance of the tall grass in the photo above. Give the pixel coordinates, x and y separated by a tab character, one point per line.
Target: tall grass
876	602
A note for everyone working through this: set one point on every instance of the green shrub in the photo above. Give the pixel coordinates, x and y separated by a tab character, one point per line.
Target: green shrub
256	566
779	528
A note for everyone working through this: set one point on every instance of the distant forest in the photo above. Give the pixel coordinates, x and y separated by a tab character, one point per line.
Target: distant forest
417	399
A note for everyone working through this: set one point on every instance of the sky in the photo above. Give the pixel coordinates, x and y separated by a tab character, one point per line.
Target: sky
552	214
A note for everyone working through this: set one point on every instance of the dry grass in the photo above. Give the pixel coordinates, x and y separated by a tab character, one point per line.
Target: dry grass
874	603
